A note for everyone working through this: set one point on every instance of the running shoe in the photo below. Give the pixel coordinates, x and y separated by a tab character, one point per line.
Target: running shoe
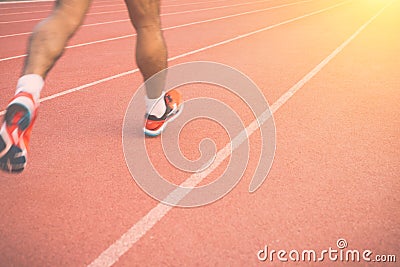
155	126
15	132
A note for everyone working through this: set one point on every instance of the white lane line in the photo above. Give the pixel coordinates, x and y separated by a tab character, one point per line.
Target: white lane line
112	254
48	10
18	21
188	53
170	28
195	3
27	1
21	7
219	7
84	25
32	6
101	6
35	1
166	14
15	34
13	57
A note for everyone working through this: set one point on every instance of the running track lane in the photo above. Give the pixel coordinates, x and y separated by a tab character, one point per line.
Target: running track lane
110	64
293	209
121	27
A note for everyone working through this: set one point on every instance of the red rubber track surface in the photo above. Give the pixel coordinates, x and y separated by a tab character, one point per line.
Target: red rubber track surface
336	168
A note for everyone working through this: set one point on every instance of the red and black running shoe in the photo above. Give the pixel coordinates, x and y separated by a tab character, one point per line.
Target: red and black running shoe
15	132
155	126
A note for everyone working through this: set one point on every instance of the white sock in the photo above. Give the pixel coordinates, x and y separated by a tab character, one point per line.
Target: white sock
156	106
30	83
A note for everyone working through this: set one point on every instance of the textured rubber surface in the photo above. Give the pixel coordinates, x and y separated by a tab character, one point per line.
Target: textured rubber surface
335	174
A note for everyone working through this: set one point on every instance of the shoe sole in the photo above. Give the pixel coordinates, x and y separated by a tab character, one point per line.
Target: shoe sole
13	159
